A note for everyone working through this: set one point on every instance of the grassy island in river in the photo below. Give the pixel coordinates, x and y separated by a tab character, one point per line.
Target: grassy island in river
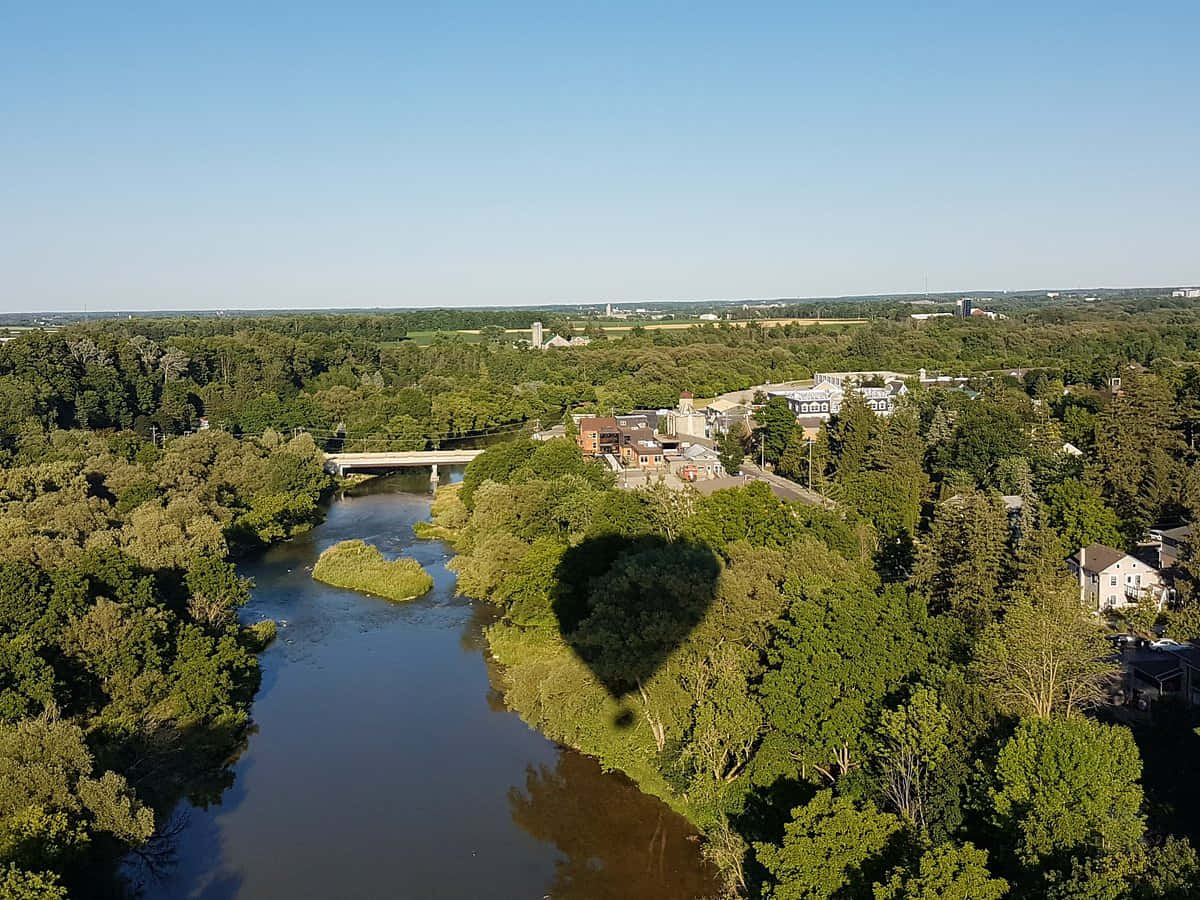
360	566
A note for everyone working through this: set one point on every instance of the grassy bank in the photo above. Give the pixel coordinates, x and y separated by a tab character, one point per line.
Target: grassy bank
359	566
448	513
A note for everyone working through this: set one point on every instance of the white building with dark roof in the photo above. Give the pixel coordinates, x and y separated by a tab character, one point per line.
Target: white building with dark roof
825	398
1112	579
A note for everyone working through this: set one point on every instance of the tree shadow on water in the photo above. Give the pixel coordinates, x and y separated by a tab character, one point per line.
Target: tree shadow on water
616	842
625	604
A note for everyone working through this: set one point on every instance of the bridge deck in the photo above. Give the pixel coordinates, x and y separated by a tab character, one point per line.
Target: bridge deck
341	463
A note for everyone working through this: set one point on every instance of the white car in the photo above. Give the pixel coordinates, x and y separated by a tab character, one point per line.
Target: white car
1167	644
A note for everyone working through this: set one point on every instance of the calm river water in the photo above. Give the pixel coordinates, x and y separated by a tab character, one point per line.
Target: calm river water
385	765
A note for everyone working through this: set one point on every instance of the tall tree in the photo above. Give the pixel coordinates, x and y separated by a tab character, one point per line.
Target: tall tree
960	563
776	423
1047	655
945	872
832	847
851	434
836	656
731	448
913	741
1064	786
1136	445
1079	514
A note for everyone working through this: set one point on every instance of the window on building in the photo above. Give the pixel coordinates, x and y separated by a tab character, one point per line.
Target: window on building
1112	580
1112	599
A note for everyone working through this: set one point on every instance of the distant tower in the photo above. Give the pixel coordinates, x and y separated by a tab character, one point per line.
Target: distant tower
965	306
537	335
685	402
608	310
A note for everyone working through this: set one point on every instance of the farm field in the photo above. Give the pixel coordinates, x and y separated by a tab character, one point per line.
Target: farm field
621	327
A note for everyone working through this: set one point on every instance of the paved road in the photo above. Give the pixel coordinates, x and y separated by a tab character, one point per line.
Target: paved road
792	489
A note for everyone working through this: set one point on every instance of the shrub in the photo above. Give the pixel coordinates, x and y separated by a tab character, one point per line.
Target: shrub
361	567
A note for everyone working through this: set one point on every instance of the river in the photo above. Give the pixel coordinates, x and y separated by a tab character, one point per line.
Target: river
384	763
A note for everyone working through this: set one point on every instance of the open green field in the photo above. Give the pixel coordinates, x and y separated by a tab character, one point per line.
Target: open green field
622	327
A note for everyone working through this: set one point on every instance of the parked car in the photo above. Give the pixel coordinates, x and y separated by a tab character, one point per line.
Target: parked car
1167	644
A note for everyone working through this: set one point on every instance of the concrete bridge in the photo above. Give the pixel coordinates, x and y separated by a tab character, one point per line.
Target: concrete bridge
341	463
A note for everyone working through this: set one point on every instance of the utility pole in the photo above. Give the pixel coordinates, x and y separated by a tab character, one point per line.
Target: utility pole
810	446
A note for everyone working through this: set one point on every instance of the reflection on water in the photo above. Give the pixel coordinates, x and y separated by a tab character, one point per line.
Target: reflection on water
615	844
384	765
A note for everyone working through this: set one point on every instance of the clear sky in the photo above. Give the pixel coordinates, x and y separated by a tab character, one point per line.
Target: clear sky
171	155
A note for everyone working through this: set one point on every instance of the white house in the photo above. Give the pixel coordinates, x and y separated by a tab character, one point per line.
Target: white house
1112	579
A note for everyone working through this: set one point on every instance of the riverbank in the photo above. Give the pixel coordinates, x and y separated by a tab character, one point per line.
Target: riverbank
544	681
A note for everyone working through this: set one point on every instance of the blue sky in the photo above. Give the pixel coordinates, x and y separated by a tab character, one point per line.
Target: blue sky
324	155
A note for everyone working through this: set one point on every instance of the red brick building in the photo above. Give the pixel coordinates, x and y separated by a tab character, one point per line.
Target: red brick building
598	436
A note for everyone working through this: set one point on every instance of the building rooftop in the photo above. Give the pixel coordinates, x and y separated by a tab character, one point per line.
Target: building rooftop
1097	557
721	405
634	421
1179	533
597	423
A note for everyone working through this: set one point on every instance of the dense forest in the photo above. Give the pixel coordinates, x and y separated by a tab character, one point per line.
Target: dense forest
125	676
895	697
344	376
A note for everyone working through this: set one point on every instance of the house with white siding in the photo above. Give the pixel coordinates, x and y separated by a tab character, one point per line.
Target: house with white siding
1112	579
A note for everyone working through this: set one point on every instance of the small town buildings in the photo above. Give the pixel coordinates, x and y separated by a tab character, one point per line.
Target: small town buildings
696	463
845	380
651	417
598	435
822	401
1166	671
1112	579
639	449
828	393
685	420
936	379
1190	293
721	415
